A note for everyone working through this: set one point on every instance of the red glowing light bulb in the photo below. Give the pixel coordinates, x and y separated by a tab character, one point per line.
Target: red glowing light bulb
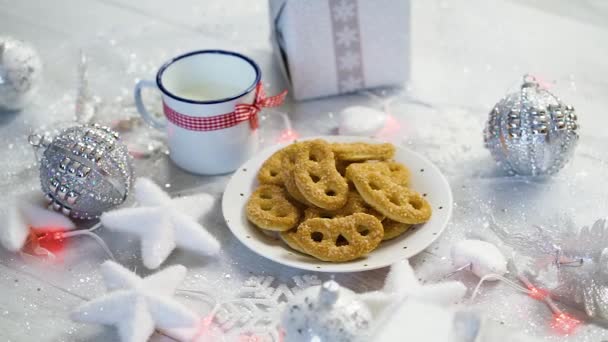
47	241
249	338
537	293
564	324
288	135
391	127
204	327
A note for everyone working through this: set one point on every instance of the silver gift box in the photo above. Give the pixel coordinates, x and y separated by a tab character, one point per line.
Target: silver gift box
329	47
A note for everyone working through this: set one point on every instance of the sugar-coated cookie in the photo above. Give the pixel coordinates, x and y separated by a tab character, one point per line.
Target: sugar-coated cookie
392	229
290	239
396	202
399	173
270	172
396	171
357	152
316	176
269	208
288	160
354	204
340	239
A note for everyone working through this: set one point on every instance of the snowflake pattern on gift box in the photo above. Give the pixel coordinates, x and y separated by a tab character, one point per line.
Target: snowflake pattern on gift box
256	309
347	45
351	83
347	36
344	10
349	60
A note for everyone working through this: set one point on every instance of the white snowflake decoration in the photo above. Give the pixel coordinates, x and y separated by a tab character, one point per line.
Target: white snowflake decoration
346	36
349	60
351	83
256	308
344	10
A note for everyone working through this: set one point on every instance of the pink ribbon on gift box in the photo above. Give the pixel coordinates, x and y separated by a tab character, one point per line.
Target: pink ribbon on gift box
242	112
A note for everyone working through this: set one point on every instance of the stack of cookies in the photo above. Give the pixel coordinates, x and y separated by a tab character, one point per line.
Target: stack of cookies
336	202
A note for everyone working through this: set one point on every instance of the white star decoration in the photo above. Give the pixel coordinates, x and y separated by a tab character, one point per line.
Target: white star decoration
403	280
137	305
346	36
402	283
163	223
26	213
344	10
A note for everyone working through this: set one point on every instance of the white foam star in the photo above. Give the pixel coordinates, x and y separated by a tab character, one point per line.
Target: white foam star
163	223
25	213
402	282
136	306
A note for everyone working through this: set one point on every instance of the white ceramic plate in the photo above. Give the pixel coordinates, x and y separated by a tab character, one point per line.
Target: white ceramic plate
426	179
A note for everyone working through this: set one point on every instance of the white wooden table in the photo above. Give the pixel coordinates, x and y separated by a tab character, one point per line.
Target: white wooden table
465	54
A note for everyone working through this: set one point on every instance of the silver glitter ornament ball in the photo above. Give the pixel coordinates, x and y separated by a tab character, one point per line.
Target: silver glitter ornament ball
531	132
20	73
86	170
327	312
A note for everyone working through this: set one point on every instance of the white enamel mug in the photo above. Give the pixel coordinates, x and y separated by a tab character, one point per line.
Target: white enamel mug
199	88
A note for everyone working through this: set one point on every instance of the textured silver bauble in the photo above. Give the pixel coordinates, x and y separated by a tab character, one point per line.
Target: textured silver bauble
327	312
531	132
20	73
86	170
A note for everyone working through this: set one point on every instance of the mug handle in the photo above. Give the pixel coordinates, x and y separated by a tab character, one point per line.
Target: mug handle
151	119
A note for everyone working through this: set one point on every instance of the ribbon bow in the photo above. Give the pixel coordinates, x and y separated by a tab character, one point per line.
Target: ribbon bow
246	111
242	112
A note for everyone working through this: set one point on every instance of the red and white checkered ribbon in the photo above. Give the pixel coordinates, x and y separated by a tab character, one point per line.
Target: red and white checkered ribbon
242	112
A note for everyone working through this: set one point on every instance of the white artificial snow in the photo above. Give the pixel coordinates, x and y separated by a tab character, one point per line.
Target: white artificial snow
361	121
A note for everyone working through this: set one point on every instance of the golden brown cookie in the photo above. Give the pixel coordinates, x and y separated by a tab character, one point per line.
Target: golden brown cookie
373	166
270	172
289	237
396	202
397	171
357	152
354	204
288	160
340	239
392	229
269	208
316	176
